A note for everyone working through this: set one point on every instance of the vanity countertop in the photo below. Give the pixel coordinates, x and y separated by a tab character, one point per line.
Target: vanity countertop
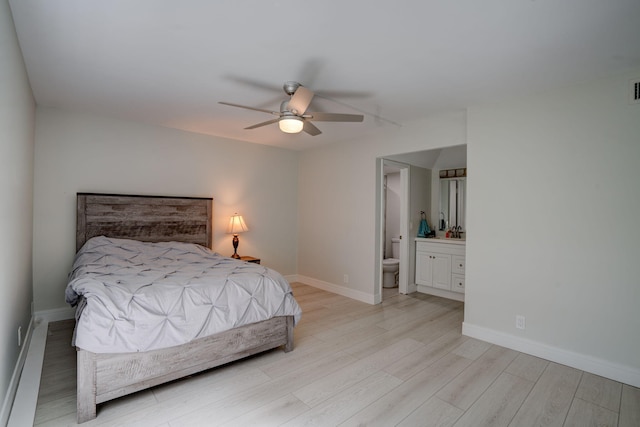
442	240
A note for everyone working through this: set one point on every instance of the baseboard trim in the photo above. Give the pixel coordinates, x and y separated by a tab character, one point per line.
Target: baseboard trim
604	368
26	399
291	278
336	289
55	314
14	383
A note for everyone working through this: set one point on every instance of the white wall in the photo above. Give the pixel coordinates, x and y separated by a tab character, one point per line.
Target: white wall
554	205
17	125
419	200
337	201
86	153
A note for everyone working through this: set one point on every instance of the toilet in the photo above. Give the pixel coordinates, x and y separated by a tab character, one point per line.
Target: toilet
390	266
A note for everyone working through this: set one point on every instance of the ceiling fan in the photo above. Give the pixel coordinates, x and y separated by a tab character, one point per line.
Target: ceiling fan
293	116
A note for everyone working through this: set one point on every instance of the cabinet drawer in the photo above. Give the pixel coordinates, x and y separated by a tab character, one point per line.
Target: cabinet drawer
457	283
458	264
440	247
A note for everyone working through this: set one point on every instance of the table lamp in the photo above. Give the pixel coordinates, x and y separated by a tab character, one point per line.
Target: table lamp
236	225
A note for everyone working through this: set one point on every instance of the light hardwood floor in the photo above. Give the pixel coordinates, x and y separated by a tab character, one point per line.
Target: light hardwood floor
403	362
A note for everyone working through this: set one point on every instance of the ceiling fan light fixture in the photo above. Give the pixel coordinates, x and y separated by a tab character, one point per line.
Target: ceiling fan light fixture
293	116
291	124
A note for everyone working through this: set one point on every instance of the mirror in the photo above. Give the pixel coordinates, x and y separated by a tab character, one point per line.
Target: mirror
452	203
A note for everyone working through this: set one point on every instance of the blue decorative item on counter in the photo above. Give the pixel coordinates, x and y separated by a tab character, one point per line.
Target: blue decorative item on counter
423	229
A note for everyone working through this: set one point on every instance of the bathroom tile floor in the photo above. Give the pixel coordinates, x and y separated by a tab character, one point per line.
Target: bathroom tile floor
403	362
389	293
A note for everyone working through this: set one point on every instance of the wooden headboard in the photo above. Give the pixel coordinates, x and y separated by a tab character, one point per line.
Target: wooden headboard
145	218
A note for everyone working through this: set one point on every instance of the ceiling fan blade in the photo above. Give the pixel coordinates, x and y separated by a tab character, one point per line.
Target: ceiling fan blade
268	122
254	83
335	117
300	100
377	117
249	108
310	128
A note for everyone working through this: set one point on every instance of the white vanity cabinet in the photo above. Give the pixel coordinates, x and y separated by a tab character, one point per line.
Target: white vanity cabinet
440	267
433	269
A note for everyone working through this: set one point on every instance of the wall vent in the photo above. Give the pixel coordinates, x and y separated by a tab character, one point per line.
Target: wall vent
634	91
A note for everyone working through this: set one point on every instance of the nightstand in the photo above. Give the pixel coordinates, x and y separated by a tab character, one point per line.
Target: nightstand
250	259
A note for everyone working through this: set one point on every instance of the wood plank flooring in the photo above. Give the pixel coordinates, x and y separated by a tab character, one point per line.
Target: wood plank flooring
400	363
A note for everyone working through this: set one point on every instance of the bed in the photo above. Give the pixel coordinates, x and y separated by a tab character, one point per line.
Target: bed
132	251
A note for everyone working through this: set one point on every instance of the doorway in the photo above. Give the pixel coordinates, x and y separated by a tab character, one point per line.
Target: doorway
420	192
395	208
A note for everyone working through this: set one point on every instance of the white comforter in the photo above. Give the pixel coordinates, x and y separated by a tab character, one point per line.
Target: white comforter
137	296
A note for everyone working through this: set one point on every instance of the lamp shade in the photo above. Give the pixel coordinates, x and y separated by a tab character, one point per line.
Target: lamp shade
291	124
236	225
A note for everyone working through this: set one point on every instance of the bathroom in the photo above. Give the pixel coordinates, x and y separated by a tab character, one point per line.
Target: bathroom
391	255
410	183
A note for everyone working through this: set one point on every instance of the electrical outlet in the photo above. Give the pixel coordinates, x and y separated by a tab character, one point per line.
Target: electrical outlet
520	322
345	278
19	336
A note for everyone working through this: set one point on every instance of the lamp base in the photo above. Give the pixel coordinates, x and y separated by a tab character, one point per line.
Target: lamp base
235	247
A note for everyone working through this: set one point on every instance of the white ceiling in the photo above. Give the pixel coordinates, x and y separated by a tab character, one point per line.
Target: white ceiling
169	62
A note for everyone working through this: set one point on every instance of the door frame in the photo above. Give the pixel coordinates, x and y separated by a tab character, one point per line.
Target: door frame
405	185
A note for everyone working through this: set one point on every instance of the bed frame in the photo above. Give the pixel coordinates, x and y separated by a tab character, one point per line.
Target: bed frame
106	376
